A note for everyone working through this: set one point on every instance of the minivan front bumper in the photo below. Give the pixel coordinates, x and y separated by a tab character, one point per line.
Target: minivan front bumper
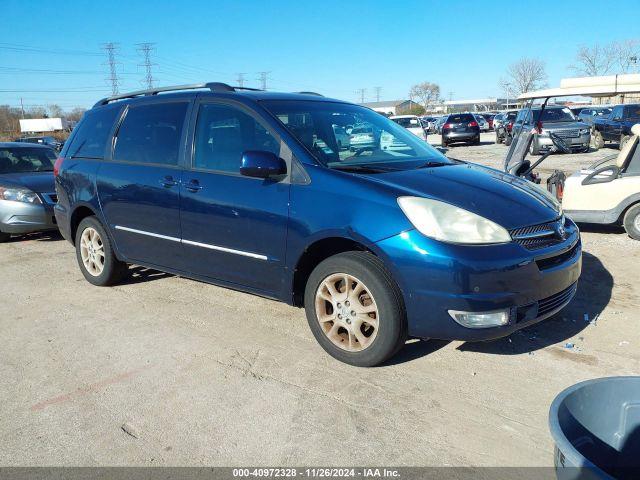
437	278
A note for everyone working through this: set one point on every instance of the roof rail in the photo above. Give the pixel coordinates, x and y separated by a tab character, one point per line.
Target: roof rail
213	86
311	93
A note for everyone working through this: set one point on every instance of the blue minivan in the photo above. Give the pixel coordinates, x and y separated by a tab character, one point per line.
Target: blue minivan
251	190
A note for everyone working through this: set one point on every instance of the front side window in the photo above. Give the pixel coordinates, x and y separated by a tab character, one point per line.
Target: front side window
223	133
373	140
28	159
151	134
632	112
90	139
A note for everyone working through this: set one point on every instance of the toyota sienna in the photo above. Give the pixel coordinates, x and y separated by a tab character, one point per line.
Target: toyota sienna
251	190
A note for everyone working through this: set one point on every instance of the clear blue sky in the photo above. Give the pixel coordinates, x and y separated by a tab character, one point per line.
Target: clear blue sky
333	47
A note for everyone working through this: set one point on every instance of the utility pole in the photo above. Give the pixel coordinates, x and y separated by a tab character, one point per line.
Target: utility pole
145	49
378	90
241	80
361	92
111	48
263	79
22	107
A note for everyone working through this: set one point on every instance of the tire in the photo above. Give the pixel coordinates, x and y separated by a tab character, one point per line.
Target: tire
498	138
597	141
507	140
631	221
476	141
533	150
365	271
4	237
623	141
107	270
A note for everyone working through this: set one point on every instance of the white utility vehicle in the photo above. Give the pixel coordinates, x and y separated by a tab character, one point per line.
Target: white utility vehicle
606	192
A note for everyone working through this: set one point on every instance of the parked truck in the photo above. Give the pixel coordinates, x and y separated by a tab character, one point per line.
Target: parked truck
615	127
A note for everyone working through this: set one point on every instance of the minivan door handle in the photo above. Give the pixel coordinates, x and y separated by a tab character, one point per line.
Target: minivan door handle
193	186
168	182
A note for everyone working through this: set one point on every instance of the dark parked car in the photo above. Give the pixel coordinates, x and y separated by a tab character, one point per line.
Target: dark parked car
588	115
616	127
47	141
250	190
460	127
26	189
504	126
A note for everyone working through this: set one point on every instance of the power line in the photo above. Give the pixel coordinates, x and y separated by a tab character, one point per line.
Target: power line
111	48
145	49
263	79
31	49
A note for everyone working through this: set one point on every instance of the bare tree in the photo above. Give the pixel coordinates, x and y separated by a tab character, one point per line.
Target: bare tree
594	61
525	75
626	54
76	114
54	111
427	93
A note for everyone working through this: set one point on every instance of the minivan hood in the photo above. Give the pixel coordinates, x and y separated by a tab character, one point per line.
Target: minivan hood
505	199
39	182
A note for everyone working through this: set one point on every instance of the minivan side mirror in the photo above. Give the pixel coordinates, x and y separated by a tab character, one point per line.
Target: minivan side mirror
262	164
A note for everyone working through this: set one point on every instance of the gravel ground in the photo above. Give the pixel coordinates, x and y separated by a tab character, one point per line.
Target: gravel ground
167	371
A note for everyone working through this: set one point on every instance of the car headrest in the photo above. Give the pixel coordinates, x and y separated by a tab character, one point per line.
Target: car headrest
635	130
625	153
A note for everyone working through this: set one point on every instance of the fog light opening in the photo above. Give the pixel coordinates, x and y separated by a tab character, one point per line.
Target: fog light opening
494	318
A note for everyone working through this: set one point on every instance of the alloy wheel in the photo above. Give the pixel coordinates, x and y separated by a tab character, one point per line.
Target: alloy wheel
347	312
92	251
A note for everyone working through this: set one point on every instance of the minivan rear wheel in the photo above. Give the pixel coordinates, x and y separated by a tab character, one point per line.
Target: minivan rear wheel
355	309
97	260
4	237
632	222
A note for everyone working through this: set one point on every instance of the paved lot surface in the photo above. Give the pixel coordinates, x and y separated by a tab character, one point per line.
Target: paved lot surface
200	375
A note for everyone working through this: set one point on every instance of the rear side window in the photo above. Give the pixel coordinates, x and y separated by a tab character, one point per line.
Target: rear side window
90	140
151	134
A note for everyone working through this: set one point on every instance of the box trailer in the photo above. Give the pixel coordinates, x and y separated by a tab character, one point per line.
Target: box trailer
37	125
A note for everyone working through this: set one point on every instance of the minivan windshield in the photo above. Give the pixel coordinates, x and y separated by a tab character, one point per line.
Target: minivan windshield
373	141
26	160
407	122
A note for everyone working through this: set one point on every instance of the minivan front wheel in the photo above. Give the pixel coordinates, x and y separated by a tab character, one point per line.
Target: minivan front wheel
95	255
355	309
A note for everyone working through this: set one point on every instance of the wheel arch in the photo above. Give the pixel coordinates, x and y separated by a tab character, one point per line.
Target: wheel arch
316	252
80	212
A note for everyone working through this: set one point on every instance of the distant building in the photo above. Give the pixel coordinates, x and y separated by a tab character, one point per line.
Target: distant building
391	107
481	104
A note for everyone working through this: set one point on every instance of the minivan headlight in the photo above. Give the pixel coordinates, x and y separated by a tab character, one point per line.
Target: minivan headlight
449	223
18	194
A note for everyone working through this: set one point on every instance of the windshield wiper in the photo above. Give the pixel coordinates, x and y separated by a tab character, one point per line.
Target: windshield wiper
434	163
363	168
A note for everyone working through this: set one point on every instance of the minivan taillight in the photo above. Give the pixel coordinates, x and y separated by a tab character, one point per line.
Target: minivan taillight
446	126
57	165
473	124
539	127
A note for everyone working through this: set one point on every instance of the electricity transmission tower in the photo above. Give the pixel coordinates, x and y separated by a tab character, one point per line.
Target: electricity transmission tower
111	49
361	92
145	49
241	80
263	79
378	90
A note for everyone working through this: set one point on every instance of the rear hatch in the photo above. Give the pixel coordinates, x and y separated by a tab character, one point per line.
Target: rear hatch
461	123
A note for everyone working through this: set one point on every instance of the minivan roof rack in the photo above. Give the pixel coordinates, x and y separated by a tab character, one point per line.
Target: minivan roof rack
213	86
311	93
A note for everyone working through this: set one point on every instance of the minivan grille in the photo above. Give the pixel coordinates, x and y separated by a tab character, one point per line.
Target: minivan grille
556	301
538	236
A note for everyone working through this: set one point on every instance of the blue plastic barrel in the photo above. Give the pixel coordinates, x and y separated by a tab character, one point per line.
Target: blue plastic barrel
596	429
